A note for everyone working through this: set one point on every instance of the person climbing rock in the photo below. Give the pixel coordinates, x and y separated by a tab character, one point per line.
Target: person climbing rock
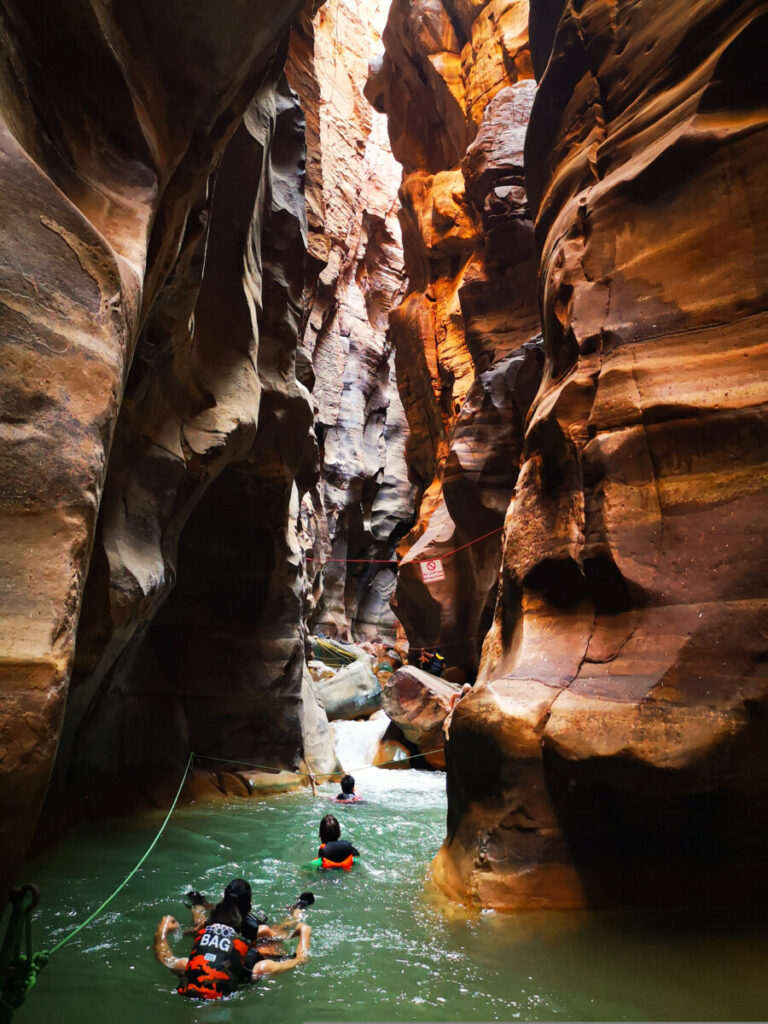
221	957
334	852
431	661
347	794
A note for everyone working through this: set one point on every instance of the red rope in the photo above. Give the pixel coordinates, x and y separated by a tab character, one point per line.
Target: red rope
416	561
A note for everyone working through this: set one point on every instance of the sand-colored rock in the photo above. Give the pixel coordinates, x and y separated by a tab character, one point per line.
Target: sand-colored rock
319	754
456	85
418	703
621	708
352	692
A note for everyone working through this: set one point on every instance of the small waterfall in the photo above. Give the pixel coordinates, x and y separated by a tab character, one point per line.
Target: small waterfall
356	742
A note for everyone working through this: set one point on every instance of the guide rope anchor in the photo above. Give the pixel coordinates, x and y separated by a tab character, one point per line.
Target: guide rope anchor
19	966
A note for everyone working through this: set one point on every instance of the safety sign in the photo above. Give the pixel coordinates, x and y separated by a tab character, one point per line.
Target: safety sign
432	570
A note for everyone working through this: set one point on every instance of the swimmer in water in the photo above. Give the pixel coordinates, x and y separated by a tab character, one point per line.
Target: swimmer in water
232	946
347	794
334	852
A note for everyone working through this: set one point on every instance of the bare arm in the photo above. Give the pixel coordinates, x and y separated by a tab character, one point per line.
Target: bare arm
265	967
177	964
313	783
284	930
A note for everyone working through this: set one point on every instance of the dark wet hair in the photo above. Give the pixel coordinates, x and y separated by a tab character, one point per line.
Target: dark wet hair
227	912
330	830
238	892
347	784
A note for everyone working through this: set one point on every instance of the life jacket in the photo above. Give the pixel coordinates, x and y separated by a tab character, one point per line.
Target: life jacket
215	963
345	865
432	662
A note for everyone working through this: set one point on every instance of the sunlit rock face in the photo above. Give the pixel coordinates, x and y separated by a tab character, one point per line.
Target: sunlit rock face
113	120
362	504
456	84
614	750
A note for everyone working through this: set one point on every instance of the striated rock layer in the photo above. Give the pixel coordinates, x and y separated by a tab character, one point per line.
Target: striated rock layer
113	120
456	84
362	503
613	751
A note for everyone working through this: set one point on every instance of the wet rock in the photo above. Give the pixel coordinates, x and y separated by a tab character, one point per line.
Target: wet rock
353	692
418	703
394	752
319	754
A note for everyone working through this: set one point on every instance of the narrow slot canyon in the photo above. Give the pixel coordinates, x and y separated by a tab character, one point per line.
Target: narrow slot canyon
382	388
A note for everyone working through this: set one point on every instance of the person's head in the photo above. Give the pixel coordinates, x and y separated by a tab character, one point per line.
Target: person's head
347	784
227	912
330	830
239	892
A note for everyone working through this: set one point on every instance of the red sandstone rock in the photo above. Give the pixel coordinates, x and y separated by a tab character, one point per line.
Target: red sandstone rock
622	710
418	703
455	83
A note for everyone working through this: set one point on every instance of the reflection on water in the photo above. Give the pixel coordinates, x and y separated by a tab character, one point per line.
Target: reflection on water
381	949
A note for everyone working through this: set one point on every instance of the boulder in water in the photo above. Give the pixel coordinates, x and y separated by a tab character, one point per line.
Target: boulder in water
419	703
352	692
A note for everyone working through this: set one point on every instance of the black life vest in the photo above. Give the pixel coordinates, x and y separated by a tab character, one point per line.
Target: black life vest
215	963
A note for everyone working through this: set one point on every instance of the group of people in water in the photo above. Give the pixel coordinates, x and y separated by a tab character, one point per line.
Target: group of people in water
231	944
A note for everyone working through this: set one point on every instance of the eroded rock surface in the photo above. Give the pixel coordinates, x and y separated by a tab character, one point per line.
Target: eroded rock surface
352	692
214	424
93	233
612	751
456	85
418	703
362	503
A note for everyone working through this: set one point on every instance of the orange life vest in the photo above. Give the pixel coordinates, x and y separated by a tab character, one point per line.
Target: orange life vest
345	865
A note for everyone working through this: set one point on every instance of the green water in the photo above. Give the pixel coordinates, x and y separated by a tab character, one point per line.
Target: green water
380	949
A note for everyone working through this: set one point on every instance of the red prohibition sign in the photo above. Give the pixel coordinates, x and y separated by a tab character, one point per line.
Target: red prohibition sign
431	565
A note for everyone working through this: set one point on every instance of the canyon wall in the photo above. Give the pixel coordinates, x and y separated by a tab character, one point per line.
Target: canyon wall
456	84
613	749
114	123
362	503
